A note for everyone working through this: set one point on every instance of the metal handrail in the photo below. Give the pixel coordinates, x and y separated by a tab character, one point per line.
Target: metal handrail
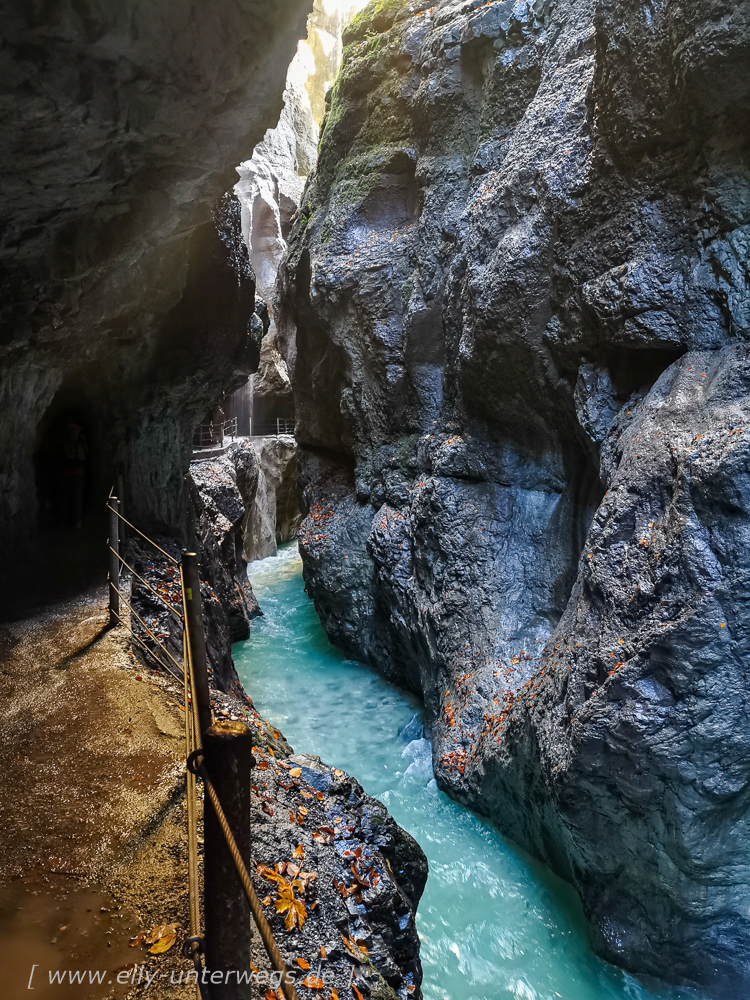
206	435
272	427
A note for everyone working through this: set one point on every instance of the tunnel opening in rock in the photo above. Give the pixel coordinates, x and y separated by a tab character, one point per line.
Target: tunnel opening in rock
69	462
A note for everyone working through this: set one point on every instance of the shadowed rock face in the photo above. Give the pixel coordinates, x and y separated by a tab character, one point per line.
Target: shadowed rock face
521	298
120	291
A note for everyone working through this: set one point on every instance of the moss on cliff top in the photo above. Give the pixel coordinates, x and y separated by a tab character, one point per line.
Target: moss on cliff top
377	17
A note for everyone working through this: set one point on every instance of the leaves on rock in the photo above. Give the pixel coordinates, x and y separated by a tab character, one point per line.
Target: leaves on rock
270	873
294	909
299	851
287	903
295	772
303	964
356	951
313	982
324	835
363	880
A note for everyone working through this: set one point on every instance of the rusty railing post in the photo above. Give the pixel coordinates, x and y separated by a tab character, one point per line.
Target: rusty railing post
192	583
113	507
228	759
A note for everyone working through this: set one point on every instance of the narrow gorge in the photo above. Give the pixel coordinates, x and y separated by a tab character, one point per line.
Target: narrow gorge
453	295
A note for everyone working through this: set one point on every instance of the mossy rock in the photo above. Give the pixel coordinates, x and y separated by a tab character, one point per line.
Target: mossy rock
377	17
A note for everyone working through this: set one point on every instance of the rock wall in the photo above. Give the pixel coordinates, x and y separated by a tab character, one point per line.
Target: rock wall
273	179
221	491
274	516
516	304
122	298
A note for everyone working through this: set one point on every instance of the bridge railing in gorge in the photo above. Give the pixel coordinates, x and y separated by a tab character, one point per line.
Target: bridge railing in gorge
212	435
271	426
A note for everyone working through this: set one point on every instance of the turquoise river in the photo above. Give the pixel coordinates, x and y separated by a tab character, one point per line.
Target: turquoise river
493	923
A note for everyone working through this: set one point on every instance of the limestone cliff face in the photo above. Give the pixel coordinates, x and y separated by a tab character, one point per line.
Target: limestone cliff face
273	179
126	294
517	304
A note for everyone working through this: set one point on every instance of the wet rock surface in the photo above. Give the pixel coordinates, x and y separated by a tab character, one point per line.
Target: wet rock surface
515	305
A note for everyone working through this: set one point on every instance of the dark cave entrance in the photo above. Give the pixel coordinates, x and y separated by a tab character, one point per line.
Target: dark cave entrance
68	463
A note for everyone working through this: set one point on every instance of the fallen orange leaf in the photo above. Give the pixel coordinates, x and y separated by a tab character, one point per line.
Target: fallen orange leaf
303	964
161	937
299	851
295	910
313	983
295	772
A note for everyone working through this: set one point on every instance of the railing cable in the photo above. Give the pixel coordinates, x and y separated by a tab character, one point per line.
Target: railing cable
145	583
145	537
161	646
145	648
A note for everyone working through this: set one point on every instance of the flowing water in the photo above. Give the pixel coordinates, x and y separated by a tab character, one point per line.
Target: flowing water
493	923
